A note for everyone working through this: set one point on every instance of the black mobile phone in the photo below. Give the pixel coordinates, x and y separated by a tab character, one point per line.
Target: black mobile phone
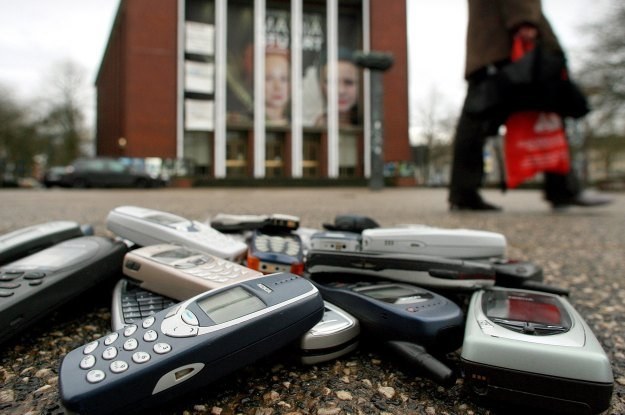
25	241
32	286
189	345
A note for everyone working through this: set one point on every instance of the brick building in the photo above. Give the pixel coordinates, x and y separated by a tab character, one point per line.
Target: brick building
252	88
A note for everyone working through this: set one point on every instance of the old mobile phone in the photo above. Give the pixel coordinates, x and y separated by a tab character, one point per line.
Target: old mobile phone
131	303
429	240
533	348
395	312
276	222
433	272
336	241
189	345
334	336
421	270
150	227
269	253
180	272
34	285
25	241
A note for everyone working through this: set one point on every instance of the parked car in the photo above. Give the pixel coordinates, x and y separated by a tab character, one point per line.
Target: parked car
52	176
105	172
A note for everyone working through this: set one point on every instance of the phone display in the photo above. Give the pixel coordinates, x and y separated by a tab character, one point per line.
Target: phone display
271	253
25	241
33	286
533	348
147	227
189	345
180	272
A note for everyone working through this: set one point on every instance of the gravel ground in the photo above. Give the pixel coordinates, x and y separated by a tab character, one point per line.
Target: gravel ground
582	250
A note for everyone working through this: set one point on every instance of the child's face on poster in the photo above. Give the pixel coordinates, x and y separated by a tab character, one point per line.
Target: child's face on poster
348	80
276	81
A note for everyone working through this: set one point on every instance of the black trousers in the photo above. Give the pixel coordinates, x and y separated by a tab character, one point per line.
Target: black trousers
467	172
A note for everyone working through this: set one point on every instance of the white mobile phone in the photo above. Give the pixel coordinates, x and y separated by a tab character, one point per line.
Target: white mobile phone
429	240
150	227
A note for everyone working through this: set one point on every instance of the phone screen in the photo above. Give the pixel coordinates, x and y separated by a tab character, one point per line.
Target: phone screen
532	308
230	305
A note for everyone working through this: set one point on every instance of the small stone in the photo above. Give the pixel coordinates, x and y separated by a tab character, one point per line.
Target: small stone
621	380
43	389
345	379
216	410
344	395
43	373
7	396
200	408
328	411
367	383
430	410
386	391
272	396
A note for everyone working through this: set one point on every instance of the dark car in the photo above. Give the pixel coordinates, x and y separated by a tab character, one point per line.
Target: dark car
105	172
52	176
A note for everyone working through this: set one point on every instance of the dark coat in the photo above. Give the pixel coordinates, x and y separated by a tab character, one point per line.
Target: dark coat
492	24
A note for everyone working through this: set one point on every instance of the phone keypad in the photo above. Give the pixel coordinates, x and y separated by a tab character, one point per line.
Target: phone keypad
219	270
138	304
116	352
266	243
12	280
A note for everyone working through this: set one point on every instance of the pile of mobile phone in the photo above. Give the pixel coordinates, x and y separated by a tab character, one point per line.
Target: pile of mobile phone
195	301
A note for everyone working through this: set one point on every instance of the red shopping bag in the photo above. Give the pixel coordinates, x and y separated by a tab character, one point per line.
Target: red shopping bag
535	142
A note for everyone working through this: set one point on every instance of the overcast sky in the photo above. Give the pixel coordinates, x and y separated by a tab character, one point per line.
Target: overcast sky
36	34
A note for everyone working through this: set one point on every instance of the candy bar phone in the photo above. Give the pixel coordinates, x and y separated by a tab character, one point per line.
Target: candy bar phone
533	348
25	241
150	227
396	311
334	336
180	272
429	240
269	253
276	222
189	345
34	285
414	269
336	241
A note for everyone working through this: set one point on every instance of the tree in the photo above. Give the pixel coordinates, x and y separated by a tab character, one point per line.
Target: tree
18	137
602	79
63	120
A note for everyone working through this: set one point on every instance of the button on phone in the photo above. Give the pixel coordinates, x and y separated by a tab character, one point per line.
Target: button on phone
150	336
95	376
34	275
130	330
6	293
109	353
190	318
87	362
131	344
148	322
140	357
89	348
108	340
118	366
162	348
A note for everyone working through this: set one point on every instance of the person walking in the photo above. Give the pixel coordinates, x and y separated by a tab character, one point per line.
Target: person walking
492	26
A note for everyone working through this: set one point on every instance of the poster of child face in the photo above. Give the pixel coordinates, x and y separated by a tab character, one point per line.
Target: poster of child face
277	67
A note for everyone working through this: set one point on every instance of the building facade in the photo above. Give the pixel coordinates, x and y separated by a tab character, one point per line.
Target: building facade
252	88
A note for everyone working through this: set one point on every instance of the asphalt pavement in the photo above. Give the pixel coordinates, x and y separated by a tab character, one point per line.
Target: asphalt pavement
582	249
